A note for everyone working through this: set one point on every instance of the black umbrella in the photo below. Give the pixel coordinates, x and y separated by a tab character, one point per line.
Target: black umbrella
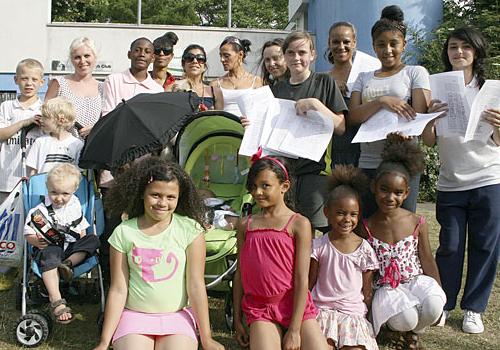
141	125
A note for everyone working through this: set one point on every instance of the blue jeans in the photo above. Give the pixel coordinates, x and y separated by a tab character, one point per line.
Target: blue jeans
472	215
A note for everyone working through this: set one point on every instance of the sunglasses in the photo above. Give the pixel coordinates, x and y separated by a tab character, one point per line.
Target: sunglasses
166	50
189	57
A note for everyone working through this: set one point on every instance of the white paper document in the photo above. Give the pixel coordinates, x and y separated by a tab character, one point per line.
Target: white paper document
385	122
276	127
449	87
487	97
254	105
363	62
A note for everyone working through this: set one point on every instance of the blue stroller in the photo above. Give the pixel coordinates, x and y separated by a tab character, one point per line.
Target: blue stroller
34	325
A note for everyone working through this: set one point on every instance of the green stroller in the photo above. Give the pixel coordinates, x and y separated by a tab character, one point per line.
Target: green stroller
207	148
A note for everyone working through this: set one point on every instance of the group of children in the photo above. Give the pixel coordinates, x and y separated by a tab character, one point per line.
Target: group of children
373	268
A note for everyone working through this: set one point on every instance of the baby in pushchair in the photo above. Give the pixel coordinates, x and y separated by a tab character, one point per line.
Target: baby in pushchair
219	214
56	229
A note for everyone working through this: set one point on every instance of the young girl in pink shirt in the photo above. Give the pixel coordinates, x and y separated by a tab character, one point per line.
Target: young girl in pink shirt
342	266
270	285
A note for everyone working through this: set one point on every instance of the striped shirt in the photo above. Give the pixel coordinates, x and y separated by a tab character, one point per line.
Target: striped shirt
48	151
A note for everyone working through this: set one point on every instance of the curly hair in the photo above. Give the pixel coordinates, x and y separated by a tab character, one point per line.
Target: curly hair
402	156
391	19
474	38
126	195
346	181
271	163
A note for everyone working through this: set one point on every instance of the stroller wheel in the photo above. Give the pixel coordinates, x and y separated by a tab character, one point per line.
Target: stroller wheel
32	330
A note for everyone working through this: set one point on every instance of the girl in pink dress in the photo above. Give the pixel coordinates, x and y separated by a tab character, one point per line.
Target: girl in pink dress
408	295
270	285
343	265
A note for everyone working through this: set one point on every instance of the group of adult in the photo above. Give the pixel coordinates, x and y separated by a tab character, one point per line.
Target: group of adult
469	182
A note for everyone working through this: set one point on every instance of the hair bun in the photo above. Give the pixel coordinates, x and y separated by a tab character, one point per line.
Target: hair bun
393	13
399	149
172	37
246	45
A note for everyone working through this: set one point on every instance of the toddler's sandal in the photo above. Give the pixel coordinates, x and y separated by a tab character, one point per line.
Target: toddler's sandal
57	313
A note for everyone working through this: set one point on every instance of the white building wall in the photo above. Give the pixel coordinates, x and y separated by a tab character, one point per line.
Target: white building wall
26	31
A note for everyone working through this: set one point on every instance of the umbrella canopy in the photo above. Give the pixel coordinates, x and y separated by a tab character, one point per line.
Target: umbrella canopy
141	125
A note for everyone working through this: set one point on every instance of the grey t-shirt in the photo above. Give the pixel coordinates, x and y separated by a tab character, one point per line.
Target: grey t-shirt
400	85
323	87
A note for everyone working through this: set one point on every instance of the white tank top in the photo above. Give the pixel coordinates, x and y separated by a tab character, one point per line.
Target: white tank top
231	97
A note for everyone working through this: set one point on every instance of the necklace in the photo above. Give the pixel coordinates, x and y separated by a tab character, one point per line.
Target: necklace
202	107
235	81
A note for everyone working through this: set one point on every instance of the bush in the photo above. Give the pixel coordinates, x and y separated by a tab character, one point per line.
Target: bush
428	180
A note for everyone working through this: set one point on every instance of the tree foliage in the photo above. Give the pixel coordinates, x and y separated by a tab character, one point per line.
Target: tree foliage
245	13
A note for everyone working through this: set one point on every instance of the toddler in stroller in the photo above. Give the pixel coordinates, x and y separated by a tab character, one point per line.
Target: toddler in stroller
56	229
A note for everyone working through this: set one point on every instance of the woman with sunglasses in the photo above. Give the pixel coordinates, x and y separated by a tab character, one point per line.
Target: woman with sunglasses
163	55
194	64
237	81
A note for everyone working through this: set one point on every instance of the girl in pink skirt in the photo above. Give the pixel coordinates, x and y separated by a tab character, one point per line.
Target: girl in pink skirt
270	285
157	262
343	265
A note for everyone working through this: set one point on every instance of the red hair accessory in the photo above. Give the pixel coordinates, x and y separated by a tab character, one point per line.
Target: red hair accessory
257	156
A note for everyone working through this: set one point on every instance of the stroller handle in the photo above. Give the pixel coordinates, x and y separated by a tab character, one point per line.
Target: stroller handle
24	132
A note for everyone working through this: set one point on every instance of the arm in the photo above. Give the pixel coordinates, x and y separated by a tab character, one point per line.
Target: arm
195	256
52	90
117	296
305	104
219	99
240	332
313	272
429	134
303	239
11	130
36	241
367	288
425	255
492	116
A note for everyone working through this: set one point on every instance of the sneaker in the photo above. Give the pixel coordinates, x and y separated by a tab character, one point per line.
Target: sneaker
472	322
443	318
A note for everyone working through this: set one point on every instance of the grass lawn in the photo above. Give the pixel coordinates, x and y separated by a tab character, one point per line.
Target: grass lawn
82	333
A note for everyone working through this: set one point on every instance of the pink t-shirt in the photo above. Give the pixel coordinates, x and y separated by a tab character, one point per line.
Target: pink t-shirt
123	86
340	276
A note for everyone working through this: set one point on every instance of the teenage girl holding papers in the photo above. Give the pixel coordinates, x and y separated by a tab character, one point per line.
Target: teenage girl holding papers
157	262
342	266
468	198
396	87
270	284
408	295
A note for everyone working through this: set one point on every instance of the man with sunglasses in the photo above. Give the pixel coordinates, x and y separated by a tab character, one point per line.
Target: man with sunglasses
163	55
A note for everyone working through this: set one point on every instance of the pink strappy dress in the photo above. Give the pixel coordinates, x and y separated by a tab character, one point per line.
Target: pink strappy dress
267	264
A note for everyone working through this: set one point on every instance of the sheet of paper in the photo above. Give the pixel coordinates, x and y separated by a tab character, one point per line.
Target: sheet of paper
303	136
363	62
254	105
449	87
487	97
384	122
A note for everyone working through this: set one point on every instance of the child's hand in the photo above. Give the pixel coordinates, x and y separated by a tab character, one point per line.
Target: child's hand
438	106
399	106
241	334
305	104
492	116
41	243
83	132
211	344
291	340
245	122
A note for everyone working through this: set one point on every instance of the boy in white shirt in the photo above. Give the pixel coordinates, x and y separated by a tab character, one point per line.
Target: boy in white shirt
56	230
59	146
15	115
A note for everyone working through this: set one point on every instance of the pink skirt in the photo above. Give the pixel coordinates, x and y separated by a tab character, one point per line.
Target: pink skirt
132	322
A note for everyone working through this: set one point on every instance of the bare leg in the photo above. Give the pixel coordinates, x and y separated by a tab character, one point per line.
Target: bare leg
311	336
51	280
265	336
134	341
76	258
176	341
